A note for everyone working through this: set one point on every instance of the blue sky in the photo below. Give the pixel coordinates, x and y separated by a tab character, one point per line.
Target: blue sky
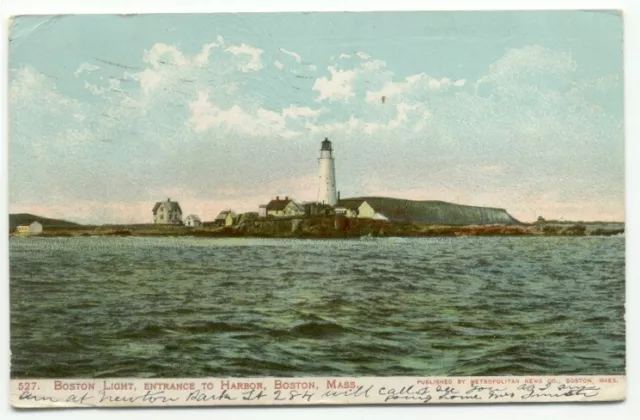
520	110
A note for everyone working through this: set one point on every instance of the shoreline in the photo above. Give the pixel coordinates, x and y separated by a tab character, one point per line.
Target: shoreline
327	228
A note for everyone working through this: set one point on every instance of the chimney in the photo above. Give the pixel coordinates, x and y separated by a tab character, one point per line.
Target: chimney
286	197
168	200
338	195
277	198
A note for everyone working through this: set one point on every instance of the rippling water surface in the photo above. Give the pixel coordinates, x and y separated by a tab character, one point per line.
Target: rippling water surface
168	307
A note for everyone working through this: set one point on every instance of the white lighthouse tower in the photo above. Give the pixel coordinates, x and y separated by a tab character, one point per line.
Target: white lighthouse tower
327	179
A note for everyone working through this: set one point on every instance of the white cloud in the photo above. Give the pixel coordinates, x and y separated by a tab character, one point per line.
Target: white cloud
166	61
203	58
604	84
436	84
460	83
173	80
28	87
207	116
161	55
27	82
294	68
93	88
342	83
42	123
296	56
525	61
343	55
204	115
374	65
301	112
85	67
412	86
254	54
149	80
408	118
338	87
169	69
114	85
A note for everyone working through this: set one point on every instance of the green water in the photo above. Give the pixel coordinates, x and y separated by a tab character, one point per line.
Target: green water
169	307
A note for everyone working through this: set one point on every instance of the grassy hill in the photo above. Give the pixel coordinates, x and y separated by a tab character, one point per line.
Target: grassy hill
437	212
26	218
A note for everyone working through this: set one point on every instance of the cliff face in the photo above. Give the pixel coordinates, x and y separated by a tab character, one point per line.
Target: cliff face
438	212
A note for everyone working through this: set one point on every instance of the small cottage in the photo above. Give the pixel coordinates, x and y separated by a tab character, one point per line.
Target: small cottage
167	213
294	209
358	208
283	208
34	228
192	221
226	218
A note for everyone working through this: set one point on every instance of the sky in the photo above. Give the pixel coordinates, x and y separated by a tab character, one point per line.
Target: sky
519	110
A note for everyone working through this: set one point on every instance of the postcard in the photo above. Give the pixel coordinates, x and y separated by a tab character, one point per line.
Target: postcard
316	208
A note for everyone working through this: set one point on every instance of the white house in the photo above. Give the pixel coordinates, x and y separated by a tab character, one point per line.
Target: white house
167	213
294	209
283	208
358	208
34	228
192	221
365	211
226	218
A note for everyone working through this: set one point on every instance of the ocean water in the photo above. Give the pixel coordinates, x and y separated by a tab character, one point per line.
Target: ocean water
191	307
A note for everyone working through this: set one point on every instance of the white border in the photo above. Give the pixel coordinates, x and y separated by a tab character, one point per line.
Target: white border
632	71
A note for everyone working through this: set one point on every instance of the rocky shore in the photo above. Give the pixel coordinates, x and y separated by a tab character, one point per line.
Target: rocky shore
335	227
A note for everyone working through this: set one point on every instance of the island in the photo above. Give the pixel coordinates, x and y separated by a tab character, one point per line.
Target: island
322	227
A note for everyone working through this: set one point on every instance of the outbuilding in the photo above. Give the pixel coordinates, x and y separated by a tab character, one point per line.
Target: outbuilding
226	218
34	228
192	221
